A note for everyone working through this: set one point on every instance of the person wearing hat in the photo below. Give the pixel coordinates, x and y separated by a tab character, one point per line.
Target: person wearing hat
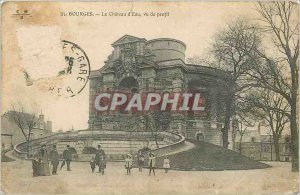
93	164
128	163
67	155
100	159
140	160
54	159
43	160
166	164
152	163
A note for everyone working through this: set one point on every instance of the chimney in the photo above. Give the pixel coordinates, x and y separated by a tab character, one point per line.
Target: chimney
49	126
41	118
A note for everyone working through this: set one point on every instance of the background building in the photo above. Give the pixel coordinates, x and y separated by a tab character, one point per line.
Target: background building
6	141
262	147
8	126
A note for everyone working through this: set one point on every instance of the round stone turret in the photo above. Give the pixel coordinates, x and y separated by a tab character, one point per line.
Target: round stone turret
166	49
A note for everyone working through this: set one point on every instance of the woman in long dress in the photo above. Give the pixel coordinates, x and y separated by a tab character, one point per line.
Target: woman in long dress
35	166
44	162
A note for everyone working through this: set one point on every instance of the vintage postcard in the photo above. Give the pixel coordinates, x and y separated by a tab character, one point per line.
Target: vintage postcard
149	97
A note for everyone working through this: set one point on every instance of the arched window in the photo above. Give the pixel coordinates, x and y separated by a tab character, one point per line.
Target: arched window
200	136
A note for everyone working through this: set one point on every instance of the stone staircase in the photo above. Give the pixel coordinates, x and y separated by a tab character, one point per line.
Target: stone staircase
211	135
116	144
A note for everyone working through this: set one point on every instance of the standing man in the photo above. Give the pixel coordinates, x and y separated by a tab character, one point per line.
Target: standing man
100	159
54	158
67	155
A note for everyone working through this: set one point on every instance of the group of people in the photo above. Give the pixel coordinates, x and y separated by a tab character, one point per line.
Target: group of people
128	162
40	161
99	160
41	167
140	162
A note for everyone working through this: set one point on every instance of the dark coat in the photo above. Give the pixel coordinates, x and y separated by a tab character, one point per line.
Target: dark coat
54	157
67	155
43	155
36	167
152	162
102	163
100	158
44	163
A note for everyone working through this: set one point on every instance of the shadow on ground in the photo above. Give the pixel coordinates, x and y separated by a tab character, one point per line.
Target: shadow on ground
209	157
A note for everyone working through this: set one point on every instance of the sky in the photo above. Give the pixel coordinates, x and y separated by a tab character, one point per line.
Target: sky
33	44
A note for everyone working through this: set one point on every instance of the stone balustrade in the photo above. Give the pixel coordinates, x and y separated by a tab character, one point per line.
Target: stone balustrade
115	143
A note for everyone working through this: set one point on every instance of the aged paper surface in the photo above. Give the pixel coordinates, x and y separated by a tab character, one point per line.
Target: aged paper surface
149	98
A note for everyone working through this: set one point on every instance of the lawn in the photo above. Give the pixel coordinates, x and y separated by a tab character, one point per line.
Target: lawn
209	157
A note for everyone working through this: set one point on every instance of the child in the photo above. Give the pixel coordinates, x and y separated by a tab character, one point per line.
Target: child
152	164
141	160
93	164
35	167
166	165
128	163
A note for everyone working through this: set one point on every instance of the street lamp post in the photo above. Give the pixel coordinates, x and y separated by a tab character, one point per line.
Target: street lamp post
30	143
271	147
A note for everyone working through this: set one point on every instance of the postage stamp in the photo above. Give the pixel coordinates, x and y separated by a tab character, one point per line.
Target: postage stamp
150	97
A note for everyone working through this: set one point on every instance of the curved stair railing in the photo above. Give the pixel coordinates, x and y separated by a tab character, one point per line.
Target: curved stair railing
165	150
173	140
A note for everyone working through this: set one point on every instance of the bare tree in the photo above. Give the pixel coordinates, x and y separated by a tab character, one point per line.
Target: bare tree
271	108
161	120
231	52
154	122
243	121
25	121
151	121
197	60
241	129
150	125
281	22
